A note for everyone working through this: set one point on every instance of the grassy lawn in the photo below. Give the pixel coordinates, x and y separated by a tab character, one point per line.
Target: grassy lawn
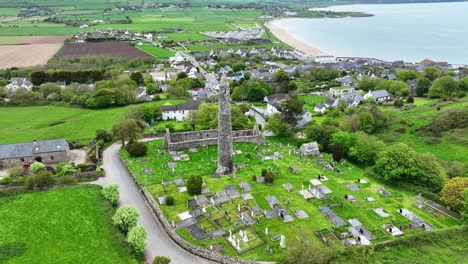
156	51
310	100
70	225
204	163
21	124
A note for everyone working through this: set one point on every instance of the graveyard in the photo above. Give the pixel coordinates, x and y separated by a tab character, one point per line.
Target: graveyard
331	204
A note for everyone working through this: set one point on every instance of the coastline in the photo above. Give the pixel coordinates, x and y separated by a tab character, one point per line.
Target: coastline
283	35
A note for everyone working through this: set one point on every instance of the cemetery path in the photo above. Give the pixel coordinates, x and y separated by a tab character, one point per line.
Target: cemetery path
159	242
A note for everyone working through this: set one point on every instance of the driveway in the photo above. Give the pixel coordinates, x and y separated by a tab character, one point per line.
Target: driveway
159	243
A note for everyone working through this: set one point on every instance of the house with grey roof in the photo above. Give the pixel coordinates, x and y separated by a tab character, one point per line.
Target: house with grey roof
180	111
17	83
352	99
46	151
345	80
379	95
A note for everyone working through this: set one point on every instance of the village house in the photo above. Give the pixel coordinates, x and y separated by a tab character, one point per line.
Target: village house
339	91
379	95
345	80
351	99
180	111
17	83
273	101
46	151
325	59
320	108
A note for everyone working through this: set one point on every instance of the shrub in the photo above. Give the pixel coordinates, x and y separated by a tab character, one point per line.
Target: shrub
264	172
410	100
194	184
111	193
65	169
37	166
137	149
254	178
269	177
125	218
161	260
16	171
453	192
6	180
66	180
169	200
43	180
137	238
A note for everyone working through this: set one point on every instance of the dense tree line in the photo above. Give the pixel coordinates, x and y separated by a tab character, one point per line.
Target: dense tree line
84	76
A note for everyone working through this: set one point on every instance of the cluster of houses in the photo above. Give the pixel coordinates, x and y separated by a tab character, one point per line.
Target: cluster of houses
262	52
350	95
111	34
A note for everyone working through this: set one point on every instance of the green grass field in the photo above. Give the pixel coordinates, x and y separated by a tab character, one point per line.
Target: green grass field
70	225
21	124
156	51
448	149
204	163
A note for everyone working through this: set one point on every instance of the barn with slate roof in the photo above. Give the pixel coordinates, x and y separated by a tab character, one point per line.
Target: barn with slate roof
46	151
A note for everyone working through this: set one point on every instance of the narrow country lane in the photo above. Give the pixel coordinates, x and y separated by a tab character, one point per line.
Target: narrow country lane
159	243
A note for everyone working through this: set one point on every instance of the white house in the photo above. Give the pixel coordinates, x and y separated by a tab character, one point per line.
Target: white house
339	91
320	108
178	58
159	76
273	102
16	83
180	111
379	95
325	59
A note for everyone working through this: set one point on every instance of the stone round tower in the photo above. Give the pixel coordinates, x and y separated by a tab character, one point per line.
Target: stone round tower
225	151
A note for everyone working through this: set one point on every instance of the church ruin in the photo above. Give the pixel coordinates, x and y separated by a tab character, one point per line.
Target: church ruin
223	136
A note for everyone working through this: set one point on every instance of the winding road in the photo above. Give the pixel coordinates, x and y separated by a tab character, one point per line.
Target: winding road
159	243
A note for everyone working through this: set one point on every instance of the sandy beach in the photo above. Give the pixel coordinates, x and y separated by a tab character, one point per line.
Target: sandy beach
282	34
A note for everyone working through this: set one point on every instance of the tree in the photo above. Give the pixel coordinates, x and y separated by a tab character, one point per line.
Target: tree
47	89
366	84
36	167
342	105
127	129
338	151
125	218
137	238
453	193
321	134
181	75
281	76
367	122
464	211
443	86
290	109
432	73
305	252
278	126
256	93
365	150
239	66
398	102
464	83
111	193
136	149
137	77
103	135
410	100
401	163
169	200
345	139
161	260
423	85
406	75
194	184
191	119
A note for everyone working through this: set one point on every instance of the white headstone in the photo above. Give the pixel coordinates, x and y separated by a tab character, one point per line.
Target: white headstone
204	209
302	187
252	214
173	225
266	231
241	234
238	207
282	242
212	200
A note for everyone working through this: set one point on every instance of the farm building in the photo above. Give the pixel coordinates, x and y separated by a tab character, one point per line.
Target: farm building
17	83
46	151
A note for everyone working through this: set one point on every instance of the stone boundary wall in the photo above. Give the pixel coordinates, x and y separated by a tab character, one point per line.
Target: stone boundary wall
194	249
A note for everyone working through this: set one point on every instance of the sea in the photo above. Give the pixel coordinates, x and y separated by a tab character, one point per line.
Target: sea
409	32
